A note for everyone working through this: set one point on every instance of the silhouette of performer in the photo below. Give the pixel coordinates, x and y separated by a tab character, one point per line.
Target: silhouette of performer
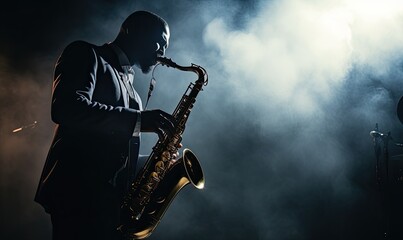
99	117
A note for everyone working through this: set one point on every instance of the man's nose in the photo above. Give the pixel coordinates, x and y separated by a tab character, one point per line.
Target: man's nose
160	50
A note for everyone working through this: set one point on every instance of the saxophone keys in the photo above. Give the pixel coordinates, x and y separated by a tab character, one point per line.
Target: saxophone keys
165	156
153	180
147	187
159	167
160	199
154	176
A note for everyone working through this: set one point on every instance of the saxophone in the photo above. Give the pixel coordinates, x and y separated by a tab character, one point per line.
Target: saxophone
162	176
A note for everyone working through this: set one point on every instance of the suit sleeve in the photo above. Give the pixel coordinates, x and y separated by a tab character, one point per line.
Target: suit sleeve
75	78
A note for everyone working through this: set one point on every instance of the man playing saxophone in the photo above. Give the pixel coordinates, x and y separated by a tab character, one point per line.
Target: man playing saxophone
99	117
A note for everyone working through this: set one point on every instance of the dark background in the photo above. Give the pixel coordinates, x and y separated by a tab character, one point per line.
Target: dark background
282	129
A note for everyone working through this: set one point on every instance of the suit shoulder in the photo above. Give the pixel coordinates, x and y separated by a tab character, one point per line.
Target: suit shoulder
78	50
80	45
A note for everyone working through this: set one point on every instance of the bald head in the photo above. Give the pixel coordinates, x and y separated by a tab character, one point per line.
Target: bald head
143	22
143	36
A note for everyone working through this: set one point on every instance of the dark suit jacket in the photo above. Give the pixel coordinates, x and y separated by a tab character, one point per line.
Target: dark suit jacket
93	127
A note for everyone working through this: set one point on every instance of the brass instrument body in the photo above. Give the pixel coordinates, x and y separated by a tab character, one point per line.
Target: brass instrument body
162	177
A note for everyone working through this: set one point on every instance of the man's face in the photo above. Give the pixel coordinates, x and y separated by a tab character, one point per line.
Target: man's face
152	47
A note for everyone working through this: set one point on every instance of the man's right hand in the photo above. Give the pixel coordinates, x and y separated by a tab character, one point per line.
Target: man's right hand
157	121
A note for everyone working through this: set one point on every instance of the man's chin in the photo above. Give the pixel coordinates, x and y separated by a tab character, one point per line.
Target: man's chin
146	69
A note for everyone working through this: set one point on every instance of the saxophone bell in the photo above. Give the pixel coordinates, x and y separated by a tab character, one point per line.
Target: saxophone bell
194	171
186	170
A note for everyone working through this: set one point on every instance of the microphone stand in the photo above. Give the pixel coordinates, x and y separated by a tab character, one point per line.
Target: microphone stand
381	142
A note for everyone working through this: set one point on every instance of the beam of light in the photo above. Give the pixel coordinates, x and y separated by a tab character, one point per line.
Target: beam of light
290	52
299	53
375	9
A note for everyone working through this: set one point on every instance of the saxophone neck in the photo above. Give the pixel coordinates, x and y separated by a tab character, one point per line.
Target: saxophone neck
200	71
167	62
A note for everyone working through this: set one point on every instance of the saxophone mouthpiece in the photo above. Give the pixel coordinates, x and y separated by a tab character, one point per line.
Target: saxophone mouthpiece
166	61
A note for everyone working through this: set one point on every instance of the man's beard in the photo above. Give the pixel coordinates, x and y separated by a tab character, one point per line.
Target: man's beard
146	69
146	65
